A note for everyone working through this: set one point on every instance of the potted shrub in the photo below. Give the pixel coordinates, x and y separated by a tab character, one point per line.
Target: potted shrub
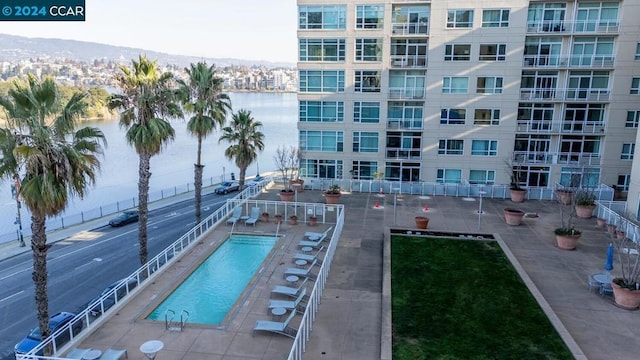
286	159
277	218
626	286
264	217
513	216
585	204
565	196
293	219
567	235
313	220
332	195
516	192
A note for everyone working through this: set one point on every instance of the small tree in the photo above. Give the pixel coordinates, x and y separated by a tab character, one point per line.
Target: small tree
286	159
515	175
628	254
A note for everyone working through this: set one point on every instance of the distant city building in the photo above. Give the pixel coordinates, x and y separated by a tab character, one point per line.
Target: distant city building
467	91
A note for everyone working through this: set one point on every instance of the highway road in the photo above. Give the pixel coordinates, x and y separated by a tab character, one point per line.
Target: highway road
82	265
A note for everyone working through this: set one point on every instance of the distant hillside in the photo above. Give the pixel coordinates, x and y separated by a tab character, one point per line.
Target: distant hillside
23	48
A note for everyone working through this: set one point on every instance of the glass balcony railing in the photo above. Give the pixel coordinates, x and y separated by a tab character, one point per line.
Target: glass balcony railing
572	94
549	127
406	93
574	27
403	154
404	124
574	61
410	28
408	61
543	157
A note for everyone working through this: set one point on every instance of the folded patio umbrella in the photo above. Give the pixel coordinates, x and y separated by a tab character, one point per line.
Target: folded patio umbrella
608	265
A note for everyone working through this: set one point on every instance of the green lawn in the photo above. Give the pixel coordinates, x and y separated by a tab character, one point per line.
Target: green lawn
462	299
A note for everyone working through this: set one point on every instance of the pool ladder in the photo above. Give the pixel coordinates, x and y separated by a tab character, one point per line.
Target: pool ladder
171	325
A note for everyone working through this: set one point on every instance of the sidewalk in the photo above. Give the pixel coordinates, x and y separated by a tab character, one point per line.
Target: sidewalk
348	325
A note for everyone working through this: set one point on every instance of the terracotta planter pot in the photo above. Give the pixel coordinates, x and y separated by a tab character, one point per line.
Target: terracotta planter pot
565	197
567	242
513	216
293	220
624	297
611	228
517	196
422	222
297	185
287	195
277	219
585	211
313	221
264	218
600	222
620	234
331	198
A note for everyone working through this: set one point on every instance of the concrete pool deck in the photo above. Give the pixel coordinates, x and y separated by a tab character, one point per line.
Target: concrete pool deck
348	325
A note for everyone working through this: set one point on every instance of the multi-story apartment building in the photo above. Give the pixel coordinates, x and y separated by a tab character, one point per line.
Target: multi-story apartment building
468	90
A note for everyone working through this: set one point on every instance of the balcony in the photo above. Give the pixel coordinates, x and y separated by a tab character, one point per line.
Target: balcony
408	61
542	157
410	28
555	61
574	27
406	93
404	124
403	154
571	94
566	127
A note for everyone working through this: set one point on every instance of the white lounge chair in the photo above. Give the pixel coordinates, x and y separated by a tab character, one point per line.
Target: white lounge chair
301	272
288	304
314	244
253	216
288	291
281	328
113	354
76	353
309	257
235	216
317	234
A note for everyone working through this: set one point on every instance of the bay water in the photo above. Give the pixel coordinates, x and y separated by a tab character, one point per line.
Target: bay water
118	177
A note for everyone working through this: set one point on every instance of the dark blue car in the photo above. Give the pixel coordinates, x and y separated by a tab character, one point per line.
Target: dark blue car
56	322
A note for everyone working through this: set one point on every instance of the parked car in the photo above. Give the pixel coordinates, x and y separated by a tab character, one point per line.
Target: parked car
227	187
56	322
125	217
94	305
255	181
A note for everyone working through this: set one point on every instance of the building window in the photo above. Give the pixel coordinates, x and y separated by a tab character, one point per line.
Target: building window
637	51
535	112
321	111
486	177
486	117
484	147
330	17
627	151
493	52
327	141
368	49
495	18
365	142
367	81
321	81
635	86
453	116
455	85
459	18
321	49
369	16
489	85
318	168
451	147
633	118
457	52
364	170
366	112
404	115
449	176
623	182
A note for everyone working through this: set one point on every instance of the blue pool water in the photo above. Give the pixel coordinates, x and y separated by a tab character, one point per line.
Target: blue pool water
211	290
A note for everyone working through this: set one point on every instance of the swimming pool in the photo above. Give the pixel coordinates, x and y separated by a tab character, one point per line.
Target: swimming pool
214	286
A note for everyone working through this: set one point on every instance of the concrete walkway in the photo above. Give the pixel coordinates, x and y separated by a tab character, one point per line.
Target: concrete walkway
348	325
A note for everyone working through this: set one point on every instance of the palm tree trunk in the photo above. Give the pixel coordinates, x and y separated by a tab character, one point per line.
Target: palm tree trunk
197	182
144	174
39	247
243	173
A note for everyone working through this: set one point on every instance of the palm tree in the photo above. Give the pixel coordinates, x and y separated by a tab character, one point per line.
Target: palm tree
52	160
246	141
202	96
146	99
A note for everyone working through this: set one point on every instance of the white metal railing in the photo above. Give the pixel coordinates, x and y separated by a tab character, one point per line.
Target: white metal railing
306	325
555	94
544	157
421	28
406	93
408	61
576	26
141	276
404	124
614	213
578	61
539	126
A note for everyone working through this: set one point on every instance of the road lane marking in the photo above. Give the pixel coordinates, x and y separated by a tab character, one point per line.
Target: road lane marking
10	296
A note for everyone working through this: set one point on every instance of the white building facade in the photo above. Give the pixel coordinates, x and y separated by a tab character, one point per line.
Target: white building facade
463	91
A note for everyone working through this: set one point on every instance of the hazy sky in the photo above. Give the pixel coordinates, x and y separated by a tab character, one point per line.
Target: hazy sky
244	29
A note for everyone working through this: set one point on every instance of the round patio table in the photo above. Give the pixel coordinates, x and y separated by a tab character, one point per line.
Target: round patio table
278	312
292	279
151	348
92	354
301	263
306	249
